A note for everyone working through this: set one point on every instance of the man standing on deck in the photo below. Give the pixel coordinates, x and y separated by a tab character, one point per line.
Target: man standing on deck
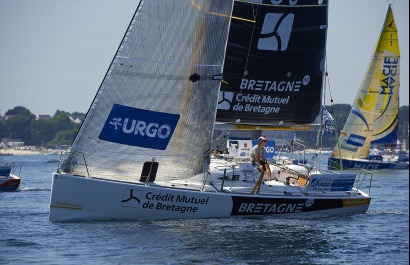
258	157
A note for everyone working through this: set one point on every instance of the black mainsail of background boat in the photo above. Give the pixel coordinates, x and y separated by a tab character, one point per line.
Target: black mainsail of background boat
274	65
374	117
143	149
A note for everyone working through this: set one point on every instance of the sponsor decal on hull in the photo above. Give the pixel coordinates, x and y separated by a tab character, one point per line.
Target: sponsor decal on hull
273	206
331	183
68	205
168	202
335	164
367	166
356	202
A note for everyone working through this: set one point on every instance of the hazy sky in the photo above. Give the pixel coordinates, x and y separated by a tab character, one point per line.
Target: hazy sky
55	53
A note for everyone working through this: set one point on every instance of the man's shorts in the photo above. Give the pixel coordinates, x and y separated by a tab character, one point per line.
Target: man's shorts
256	164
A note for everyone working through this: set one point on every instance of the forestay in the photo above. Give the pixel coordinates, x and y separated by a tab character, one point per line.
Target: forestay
158	98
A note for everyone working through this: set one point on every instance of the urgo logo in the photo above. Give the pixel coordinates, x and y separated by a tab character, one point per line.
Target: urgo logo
137	127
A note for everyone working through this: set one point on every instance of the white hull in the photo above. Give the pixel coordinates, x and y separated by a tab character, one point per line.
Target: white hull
77	198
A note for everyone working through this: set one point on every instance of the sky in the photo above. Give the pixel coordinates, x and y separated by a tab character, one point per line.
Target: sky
55	53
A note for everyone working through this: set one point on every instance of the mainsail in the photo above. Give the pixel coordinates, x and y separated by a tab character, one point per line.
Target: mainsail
157	100
374	115
274	66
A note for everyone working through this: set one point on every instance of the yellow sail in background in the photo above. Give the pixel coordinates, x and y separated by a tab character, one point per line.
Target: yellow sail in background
374	115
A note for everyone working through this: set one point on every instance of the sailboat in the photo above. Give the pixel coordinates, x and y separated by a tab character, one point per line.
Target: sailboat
374	117
144	148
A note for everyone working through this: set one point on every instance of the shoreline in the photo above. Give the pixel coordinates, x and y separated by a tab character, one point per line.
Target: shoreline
11	152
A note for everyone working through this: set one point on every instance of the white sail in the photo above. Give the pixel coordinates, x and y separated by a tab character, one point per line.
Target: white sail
151	97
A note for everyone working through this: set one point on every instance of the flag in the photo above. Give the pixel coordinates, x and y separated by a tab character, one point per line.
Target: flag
328	121
398	144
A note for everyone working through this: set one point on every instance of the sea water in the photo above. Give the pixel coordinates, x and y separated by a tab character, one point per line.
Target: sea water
380	236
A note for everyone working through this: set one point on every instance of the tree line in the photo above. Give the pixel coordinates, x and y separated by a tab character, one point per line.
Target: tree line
20	124
340	112
60	129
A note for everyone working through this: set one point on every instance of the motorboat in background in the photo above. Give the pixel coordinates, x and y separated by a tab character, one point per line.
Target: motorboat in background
9	181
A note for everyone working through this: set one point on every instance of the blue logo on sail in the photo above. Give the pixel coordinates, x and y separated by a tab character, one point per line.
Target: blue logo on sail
356	140
137	127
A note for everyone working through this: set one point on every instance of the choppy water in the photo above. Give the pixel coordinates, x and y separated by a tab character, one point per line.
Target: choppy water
27	237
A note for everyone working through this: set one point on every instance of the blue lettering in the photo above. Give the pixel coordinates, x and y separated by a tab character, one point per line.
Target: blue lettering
154	131
140	128
125	129
390	71
161	133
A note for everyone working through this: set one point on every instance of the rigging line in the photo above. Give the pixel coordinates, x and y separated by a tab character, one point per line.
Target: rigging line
339	150
163	62
245	72
198	7
328	81
319	139
161	76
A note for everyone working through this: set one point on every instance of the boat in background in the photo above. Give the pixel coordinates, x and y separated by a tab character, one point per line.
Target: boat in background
374	117
144	148
9	181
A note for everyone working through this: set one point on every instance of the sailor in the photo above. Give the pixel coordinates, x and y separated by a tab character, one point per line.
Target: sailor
258	157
